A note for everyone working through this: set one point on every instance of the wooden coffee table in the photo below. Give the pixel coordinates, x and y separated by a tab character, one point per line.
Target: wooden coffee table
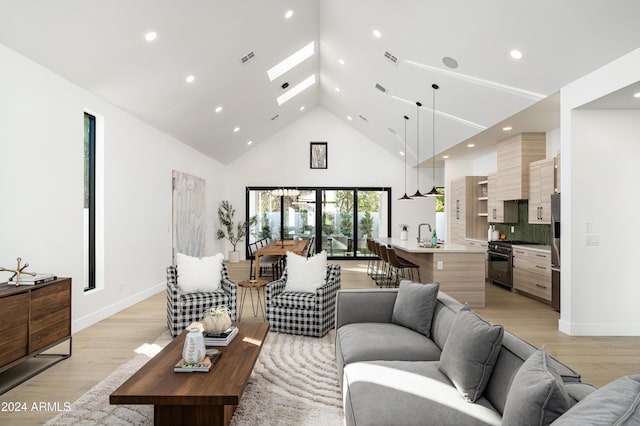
195	398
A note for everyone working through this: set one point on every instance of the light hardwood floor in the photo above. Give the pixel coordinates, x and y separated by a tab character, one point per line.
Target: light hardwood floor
101	348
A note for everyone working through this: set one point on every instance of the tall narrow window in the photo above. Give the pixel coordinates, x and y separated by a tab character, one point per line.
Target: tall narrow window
89	202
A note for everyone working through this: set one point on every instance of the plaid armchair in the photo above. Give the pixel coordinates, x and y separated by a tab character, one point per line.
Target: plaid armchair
185	308
309	314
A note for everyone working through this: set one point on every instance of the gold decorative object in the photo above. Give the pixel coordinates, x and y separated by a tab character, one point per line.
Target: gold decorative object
18	271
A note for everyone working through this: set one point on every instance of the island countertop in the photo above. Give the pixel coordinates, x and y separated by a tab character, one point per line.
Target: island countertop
460	269
412	246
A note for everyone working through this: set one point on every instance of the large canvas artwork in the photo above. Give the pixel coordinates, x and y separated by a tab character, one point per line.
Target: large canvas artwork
189	221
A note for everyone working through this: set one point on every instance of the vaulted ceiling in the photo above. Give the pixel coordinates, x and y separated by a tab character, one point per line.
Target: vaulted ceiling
462	45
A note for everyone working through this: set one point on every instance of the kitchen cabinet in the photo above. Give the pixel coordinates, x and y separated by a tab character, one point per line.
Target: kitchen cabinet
532	272
467	216
499	211
514	156
541	186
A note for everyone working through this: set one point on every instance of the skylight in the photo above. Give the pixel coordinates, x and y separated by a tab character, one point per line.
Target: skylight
298	88
291	61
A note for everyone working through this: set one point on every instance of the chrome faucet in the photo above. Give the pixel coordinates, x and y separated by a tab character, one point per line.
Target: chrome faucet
419	229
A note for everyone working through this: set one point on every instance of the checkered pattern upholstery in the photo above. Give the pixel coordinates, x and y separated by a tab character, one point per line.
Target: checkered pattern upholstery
309	314
185	308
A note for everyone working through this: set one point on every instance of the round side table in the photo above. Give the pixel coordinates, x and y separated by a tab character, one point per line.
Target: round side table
258	306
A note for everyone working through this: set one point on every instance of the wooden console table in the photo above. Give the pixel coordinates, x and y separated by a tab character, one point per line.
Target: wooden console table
33	319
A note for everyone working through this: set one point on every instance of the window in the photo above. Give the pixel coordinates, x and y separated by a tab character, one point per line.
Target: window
340	219
89	202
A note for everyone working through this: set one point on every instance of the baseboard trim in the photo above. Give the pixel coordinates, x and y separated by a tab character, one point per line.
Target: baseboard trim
598	329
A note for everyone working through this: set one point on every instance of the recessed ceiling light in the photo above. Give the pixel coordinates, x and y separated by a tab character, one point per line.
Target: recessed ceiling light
516	54
377	33
289	14
249	143
637	95
402	153
506	129
190	79
349	118
471	145
341	61
150	36
304	84
445	156
450	62
290	62
218	109
302	108
236	130
337	89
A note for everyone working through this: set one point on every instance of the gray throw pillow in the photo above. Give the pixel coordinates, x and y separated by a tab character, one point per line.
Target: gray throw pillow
415	305
537	395
613	404
470	353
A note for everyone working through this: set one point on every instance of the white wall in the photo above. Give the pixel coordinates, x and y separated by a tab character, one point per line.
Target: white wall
354	160
599	169
41	182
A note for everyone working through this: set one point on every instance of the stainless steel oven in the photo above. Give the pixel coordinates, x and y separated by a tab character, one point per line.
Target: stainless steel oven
500	263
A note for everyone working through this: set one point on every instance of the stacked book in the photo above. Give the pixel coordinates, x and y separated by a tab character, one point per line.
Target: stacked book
33	279
221	339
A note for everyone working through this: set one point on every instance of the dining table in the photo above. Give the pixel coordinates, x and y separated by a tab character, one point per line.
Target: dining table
279	248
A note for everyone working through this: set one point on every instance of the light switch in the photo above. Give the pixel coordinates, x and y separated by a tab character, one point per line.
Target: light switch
440	265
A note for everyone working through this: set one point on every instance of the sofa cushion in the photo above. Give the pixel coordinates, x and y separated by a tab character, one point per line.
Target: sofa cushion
513	354
537	396
295	299
199	273
306	274
614	404
408	393
470	353
384	341
445	314
415	305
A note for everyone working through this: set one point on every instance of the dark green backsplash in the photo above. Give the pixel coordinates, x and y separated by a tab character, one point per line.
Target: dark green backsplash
524	230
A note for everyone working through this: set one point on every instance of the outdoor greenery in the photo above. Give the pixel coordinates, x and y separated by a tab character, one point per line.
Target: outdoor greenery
226	212
366	225
266	226
346	223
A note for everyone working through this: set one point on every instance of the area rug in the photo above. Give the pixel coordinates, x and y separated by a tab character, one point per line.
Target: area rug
294	382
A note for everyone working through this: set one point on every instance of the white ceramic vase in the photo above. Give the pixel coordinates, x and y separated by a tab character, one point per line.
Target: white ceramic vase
404	235
234	256
194	350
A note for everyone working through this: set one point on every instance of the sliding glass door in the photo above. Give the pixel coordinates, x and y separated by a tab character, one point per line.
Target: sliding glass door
339	219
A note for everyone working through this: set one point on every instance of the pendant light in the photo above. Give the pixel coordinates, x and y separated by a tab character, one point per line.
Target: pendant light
434	192
418	194
405	196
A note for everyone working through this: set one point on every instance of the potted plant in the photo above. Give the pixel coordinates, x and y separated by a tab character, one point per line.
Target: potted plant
404	231
231	232
216	320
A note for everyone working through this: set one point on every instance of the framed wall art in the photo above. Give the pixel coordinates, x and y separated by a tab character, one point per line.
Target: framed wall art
318	155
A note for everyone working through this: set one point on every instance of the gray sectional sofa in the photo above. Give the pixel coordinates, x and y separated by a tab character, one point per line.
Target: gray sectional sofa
397	367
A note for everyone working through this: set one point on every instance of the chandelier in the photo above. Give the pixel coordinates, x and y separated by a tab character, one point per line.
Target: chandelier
285	192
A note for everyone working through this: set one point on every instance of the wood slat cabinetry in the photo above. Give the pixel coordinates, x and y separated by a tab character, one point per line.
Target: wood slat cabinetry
532	272
467	216
514	156
542	184
33	319
499	211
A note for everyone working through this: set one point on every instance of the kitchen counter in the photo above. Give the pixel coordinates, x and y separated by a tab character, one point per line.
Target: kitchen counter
459	269
412	246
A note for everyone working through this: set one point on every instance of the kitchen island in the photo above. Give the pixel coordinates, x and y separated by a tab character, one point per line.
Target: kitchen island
459	269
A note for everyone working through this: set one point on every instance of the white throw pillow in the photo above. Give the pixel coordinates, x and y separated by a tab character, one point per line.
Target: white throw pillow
199	274
306	274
